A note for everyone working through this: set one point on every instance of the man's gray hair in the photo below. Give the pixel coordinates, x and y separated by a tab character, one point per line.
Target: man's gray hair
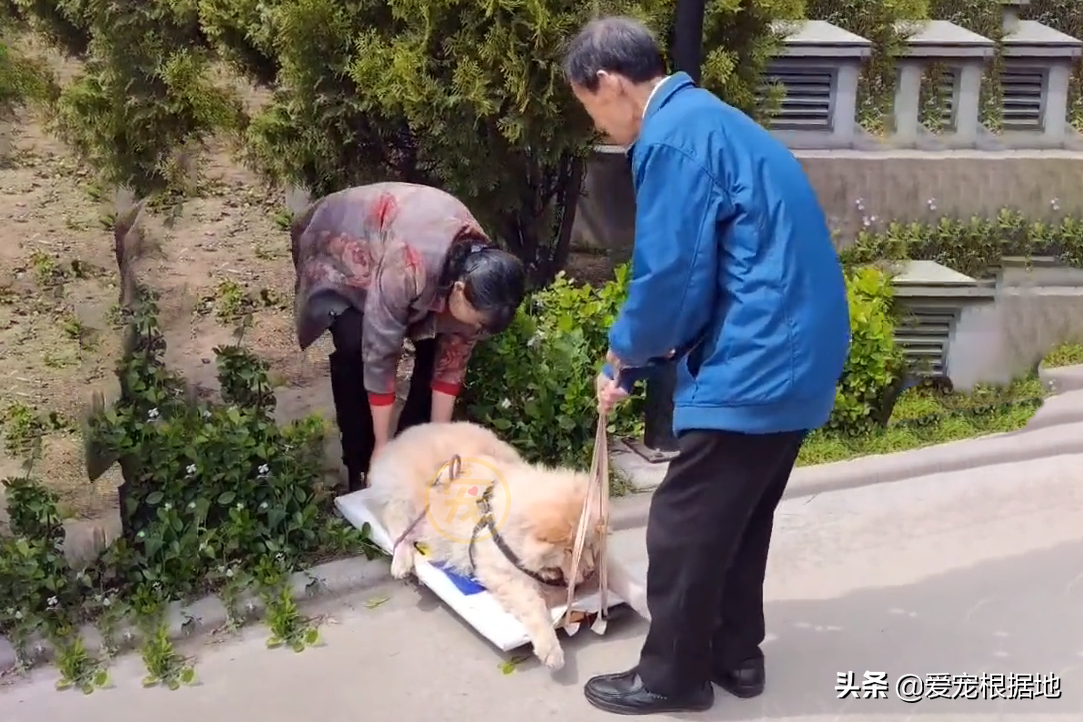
619	45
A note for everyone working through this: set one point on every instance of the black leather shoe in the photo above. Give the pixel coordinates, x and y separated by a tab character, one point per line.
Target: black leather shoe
624	693
745	681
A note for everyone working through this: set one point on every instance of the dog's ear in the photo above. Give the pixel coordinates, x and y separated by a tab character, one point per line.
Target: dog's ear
558	533
554	525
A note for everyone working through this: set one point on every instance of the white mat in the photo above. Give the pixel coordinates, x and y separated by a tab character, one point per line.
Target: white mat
479	609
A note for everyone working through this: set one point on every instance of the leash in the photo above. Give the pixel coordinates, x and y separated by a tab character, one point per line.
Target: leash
455	469
597	503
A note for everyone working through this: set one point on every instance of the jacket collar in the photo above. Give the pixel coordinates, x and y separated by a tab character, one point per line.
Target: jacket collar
664	91
661	94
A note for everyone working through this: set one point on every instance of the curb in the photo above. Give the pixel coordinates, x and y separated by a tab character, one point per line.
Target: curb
1066	407
1060	421
1063	378
332	579
1023	445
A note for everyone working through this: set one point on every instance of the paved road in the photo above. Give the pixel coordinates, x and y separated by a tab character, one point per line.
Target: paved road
960	574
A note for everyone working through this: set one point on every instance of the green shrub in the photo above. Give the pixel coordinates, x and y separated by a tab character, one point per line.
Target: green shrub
467	97
217	496
23	80
208	484
145	90
534	383
875	364
972	246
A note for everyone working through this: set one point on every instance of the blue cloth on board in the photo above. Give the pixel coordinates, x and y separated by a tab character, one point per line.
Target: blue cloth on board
467	586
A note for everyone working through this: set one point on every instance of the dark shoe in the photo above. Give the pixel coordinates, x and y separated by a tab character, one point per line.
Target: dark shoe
624	693
745	681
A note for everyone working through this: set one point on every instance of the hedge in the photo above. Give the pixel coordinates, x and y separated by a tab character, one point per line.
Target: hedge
535	383
469	98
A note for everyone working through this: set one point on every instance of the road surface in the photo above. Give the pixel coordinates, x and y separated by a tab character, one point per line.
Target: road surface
963	574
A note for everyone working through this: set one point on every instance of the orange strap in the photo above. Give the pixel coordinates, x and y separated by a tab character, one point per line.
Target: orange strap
595	506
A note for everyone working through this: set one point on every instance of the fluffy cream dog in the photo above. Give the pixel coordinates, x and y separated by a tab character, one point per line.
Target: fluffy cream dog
535	514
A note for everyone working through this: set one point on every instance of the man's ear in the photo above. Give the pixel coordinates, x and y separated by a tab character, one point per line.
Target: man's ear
609	81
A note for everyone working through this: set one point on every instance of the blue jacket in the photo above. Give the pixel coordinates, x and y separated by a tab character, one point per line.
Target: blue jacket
734	267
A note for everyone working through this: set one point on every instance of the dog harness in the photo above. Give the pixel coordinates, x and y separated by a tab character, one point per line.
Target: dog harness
486	522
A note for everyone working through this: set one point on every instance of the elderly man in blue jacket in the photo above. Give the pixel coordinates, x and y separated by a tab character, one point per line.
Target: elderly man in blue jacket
735	274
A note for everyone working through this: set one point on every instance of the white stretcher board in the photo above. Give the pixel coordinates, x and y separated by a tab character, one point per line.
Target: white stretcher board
479	609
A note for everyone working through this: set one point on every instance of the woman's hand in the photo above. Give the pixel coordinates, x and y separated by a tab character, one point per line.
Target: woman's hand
381	426
376	449
443	407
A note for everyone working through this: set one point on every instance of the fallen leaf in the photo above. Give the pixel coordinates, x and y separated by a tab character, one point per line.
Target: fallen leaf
509	666
375	602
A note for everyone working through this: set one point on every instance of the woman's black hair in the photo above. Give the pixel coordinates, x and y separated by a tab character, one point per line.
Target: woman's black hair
494	281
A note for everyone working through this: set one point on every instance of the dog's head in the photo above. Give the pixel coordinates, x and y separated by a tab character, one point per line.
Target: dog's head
549	522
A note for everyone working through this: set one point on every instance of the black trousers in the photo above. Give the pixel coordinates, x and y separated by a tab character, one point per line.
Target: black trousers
351	400
708	533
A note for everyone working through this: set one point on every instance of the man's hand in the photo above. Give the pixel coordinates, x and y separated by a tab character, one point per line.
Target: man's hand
609	394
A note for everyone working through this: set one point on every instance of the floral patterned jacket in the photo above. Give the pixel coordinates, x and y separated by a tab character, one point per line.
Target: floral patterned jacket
381	249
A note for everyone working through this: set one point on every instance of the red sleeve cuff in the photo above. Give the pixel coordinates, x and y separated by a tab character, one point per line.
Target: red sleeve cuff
447	388
381	399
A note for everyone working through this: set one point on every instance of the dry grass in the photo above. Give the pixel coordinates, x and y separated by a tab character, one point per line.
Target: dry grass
58	287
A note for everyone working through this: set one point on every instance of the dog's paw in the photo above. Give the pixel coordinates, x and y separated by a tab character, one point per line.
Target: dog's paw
550	654
402	563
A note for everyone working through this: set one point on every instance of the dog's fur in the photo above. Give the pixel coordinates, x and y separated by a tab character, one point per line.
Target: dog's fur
543	508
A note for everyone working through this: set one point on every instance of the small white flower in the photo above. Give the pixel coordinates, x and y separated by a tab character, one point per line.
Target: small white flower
240	506
263	505
191	505
53	601
866	221
128	635
141	535
264	470
107	602
1055	203
206	413
860	203
229	574
931	203
190	470
167	506
18	615
506	403
251	606
152	414
533	341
